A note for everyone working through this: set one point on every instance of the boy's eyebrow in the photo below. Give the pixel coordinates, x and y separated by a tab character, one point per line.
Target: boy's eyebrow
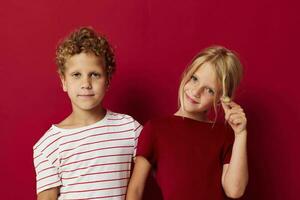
75	71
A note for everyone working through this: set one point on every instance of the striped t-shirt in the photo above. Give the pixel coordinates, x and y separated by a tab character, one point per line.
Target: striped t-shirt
91	162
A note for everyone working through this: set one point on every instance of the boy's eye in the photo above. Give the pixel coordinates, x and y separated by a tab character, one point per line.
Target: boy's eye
76	75
95	75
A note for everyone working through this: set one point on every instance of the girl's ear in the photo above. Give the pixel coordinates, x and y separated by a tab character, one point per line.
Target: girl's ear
218	101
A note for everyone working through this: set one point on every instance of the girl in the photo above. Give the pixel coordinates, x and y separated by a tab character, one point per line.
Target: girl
193	157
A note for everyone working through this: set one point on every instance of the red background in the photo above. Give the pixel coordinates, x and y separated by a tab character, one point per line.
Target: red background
154	41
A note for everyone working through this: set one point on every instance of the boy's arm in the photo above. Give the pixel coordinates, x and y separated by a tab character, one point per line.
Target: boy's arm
138	179
46	164
50	194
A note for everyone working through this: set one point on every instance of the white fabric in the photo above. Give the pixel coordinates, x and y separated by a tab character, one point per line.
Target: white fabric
91	162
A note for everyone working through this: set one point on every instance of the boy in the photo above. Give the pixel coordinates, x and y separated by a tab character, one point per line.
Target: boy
88	155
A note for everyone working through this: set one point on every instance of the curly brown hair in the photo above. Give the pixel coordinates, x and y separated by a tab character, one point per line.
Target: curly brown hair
87	40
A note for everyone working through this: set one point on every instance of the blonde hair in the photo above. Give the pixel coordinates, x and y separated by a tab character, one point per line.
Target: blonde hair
226	65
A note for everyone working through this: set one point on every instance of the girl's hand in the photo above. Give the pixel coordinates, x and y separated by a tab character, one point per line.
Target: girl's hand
235	116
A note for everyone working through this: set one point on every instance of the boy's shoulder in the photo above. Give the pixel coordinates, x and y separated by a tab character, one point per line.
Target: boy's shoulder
114	116
49	136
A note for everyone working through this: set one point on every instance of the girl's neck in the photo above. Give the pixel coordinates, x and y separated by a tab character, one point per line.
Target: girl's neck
195	116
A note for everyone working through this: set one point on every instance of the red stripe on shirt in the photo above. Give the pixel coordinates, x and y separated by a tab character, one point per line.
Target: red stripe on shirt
107	133
96	165
92	190
114	147
45	169
54	161
52	152
48	184
97	173
37	156
46	139
50	144
98	142
100	197
108	180
138	127
40	163
112	125
47	177
127	154
116	118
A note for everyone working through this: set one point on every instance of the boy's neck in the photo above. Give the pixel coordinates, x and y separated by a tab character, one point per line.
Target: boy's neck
89	116
80	118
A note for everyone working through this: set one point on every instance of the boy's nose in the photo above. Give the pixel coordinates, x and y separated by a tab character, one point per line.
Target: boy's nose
86	83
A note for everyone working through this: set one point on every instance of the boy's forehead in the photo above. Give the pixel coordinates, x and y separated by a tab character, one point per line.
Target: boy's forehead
84	60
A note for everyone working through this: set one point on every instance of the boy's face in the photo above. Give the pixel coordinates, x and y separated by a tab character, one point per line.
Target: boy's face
85	81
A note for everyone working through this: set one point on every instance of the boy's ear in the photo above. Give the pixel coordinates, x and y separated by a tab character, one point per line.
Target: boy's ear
63	82
107	83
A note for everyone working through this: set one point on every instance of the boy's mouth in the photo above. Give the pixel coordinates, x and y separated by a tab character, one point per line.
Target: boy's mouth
85	95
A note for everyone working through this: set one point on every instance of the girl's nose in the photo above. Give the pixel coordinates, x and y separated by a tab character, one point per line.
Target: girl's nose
196	92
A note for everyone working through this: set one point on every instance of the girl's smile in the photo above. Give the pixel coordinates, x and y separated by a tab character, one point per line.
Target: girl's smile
190	99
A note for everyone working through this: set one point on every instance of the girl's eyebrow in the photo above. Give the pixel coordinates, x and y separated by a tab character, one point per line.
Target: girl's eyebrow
212	88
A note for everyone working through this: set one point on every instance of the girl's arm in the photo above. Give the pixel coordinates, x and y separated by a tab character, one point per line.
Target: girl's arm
138	179
235	174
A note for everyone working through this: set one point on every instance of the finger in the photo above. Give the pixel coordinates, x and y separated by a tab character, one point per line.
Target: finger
237	110
237	119
230	112
232	104
225	106
232	115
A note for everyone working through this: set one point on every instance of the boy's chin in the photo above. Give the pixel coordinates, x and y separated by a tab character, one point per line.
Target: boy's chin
89	107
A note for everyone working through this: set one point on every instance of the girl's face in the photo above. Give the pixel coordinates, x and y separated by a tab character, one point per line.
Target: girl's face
85	81
200	92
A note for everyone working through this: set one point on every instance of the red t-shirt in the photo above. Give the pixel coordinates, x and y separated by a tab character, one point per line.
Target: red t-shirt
187	156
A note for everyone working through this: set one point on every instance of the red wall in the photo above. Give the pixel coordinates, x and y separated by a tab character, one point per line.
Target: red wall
154	41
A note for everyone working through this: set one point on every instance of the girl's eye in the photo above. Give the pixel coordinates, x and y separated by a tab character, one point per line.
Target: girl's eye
210	91
194	78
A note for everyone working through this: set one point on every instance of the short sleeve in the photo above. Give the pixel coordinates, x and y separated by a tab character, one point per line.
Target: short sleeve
228	144
146	144
137	130
46	167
